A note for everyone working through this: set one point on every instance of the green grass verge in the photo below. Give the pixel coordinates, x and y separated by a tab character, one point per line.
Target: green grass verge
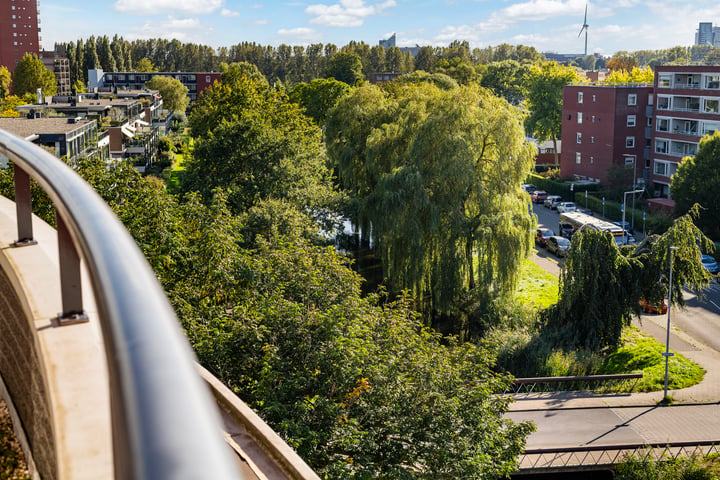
641	353
537	287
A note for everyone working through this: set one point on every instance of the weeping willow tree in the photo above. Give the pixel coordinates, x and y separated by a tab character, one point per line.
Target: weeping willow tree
601	285
436	176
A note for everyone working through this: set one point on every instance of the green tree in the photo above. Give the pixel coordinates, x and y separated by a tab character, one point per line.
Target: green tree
105	55
544	98
695	181
5	81
619	278
253	142
172	91
318	97
30	74
506	79
345	67
621	62
436	176
91	59
145	65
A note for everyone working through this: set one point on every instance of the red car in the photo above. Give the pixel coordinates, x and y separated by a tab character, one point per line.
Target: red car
656	309
538	196
542	235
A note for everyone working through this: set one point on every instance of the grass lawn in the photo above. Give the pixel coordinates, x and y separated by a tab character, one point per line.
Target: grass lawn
537	287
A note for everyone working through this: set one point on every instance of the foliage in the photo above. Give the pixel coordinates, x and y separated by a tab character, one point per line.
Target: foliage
345	67
145	65
636	75
543	98
255	144
12	463
462	71
688	468
30	74
318	97
79	87
436	177
440	80
172	91
621	62
537	287
618	282
506	79
8	104
696	181
5	81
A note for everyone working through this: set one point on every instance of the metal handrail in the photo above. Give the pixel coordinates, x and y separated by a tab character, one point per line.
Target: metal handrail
164	423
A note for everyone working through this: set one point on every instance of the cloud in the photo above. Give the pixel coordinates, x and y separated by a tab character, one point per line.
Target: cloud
346	13
153	7
229	13
183	29
262	21
300	33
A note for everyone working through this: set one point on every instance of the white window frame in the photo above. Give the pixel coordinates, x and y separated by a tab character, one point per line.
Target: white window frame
662	141
632	98
629	142
579	118
631	121
578	158
578	137
580	97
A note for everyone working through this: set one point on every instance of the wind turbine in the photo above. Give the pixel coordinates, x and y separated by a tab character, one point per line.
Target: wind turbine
585	29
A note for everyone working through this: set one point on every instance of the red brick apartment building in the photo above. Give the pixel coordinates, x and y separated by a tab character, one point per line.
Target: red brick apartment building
687	107
19	31
605	125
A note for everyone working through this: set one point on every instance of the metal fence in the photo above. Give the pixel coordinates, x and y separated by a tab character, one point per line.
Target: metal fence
164	423
594	383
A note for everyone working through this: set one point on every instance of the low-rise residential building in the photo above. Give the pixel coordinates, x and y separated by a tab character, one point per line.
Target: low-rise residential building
65	137
606	126
195	82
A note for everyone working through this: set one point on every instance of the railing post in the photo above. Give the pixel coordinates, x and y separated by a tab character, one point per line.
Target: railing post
23	208
70	277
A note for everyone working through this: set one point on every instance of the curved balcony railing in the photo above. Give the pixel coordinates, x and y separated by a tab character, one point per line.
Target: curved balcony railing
164	423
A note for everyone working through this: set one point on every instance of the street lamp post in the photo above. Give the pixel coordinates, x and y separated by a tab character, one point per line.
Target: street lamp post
667	353
634	167
623	212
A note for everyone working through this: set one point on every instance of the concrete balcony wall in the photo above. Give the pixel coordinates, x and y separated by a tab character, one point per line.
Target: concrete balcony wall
55	377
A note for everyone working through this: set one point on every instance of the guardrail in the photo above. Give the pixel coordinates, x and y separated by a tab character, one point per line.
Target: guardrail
164	423
555	459
606	383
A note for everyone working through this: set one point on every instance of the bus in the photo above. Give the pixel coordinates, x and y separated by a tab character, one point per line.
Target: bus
572	221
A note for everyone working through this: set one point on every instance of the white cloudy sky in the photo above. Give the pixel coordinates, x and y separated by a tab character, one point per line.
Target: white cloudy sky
548	25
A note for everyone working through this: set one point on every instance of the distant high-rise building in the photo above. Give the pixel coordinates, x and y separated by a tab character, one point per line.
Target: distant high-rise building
19	31
704	34
390	42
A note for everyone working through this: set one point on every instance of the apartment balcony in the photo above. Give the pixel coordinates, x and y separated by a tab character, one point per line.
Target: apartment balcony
108	387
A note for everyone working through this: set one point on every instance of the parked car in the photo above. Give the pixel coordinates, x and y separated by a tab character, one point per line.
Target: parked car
528	187
542	235
538	196
566	230
710	264
586	211
660	308
558	245
552	200
563	207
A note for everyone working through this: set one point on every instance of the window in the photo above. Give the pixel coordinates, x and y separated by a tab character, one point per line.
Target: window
665	80
579	117
629	160
580	97
709	128
712	81
592	119
663	125
661	146
592	139
207	78
591	160
629	142
663	103
664	169
578	158
711	106
632	99
578	137
630	121
593	98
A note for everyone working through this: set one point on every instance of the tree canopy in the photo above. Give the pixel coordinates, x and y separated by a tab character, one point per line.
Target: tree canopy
345	67
435	175
318	97
5	81
30	74
544	99
696	181
172	91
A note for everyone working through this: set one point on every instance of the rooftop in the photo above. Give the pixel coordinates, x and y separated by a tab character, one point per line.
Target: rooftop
25	127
